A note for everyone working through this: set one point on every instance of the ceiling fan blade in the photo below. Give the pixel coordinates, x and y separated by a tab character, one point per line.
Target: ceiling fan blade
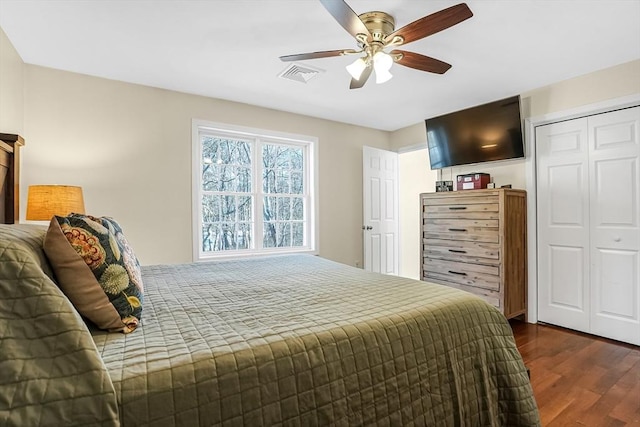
346	17
357	84
421	62
433	23
314	55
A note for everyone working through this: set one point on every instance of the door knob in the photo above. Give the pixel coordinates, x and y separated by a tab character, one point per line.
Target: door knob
617	239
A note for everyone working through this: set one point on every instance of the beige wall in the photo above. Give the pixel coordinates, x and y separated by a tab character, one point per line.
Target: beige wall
129	147
610	83
415	177
11	88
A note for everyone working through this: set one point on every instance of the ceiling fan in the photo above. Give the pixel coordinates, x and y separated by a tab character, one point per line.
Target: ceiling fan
375	32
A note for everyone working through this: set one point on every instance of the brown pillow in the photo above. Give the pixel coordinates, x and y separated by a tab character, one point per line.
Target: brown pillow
97	270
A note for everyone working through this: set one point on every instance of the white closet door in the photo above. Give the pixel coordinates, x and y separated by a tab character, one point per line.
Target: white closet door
563	224
614	164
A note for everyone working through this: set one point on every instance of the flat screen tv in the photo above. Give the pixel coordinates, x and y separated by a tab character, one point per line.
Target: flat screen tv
478	134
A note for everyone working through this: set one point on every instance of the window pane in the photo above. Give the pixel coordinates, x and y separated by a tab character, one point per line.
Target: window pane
284	208
283	157
227	178
269	181
297	208
243	180
269	156
269	238
209	177
219	156
243	156
297	234
283	169
227	240
284	234
282	182
297	185
244	208
244	236
228	208
296	159
209	235
277	234
209	150
269	209
210	208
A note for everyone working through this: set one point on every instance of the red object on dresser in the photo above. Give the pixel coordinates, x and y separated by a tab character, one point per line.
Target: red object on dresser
472	181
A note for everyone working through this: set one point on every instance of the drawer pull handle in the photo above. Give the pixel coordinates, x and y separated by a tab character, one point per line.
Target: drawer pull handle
458	229
457	251
457	272
457	208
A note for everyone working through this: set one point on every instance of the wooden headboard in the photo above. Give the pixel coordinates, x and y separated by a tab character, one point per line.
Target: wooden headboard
10	177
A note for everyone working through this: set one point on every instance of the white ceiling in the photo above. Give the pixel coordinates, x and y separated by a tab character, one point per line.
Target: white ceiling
229	49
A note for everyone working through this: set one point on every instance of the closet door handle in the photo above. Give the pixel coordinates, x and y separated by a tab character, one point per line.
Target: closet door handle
457	251
458	229
457	272
457	208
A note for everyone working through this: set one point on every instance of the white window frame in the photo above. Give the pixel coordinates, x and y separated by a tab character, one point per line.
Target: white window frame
259	137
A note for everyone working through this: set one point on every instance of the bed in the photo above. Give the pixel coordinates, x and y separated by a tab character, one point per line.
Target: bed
289	340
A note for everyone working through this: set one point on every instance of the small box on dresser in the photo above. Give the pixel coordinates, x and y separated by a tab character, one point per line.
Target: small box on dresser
477	241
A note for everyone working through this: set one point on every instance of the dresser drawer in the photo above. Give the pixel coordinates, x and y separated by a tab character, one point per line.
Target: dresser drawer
462	198
463	229
457	251
492	298
471	211
474	275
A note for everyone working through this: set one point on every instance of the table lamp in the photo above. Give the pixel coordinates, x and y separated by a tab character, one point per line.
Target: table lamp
45	201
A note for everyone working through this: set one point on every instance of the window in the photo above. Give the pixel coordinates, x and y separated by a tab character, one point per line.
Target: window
253	191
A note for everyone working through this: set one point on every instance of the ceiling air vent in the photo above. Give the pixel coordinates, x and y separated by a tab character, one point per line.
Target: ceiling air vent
300	73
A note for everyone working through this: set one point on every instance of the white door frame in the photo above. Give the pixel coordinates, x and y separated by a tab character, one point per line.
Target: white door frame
531	180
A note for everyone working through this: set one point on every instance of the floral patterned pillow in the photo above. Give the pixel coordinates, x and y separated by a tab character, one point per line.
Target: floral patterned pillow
97	270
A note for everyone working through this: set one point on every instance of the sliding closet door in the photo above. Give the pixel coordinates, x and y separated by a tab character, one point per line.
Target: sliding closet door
563	224
588	200
614	164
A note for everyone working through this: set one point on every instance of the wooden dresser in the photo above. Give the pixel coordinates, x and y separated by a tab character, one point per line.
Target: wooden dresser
476	240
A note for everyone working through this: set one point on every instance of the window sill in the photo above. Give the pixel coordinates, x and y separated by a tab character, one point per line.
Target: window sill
239	255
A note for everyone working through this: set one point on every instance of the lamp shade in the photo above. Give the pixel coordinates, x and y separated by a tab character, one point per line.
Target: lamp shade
382	63
356	68
45	201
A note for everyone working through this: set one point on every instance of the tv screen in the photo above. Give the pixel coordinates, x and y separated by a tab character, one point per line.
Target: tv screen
483	133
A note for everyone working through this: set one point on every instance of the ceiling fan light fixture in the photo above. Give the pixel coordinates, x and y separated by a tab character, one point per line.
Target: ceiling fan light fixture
383	76
382	63
375	31
356	68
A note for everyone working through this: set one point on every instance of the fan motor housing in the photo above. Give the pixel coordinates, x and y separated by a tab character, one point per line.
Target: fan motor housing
379	24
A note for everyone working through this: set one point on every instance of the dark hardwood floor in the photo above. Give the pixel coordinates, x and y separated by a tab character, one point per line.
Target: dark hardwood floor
580	379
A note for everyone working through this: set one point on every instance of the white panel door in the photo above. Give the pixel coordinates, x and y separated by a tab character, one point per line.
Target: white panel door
380	210
563	224
614	158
